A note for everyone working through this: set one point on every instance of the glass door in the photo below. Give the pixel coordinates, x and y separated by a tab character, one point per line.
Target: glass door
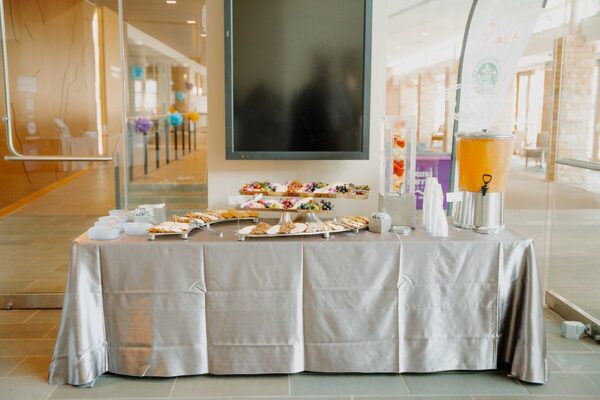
166	109
61	64
574	267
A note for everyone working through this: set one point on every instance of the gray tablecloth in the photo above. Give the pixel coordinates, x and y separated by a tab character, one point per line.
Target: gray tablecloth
351	303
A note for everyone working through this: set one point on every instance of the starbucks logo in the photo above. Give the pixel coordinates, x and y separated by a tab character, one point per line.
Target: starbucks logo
485	76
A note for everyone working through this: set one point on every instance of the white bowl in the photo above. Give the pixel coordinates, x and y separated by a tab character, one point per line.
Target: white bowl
122	213
110	224
113	218
103	233
137	228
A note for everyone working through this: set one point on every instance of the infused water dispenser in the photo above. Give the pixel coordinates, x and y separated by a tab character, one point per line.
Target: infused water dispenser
483	162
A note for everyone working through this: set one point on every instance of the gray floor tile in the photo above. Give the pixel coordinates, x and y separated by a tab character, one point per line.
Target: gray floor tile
567	383
532	397
24	389
408	397
577	362
556	342
224	386
550	315
552	366
462	383
347	384
111	386
303	398
7	364
591	344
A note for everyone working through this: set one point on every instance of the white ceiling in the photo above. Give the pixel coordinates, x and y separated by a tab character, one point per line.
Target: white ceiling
167	23
423	31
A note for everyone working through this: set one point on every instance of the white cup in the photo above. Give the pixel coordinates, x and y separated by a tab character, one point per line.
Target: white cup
572	329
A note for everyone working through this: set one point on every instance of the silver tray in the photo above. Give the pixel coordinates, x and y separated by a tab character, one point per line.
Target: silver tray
242	237
199	224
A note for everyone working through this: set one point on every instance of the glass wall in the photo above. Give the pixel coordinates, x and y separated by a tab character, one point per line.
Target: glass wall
72	95
62	65
574	275
167	103
552	108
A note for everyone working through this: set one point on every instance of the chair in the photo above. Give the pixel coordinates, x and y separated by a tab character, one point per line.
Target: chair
520	142
439	135
537	152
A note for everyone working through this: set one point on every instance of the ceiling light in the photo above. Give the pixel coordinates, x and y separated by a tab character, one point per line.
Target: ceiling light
203	34
171	1
191	21
424	33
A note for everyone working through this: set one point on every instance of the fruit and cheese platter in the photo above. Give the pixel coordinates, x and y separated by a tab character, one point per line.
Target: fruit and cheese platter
306	189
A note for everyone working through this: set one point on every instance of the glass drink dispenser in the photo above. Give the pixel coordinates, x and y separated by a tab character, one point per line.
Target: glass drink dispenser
483	162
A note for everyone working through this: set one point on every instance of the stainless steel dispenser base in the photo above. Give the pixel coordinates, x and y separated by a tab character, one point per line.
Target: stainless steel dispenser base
484	214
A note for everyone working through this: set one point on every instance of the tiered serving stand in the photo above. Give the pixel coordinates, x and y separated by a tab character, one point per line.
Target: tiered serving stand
301	215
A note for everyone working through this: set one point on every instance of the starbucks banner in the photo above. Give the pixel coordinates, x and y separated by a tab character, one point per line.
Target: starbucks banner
495	39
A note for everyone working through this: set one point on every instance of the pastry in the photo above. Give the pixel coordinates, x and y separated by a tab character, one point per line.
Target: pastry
359	222
287	228
334	226
170	227
312	227
202	216
177	218
227	214
261	228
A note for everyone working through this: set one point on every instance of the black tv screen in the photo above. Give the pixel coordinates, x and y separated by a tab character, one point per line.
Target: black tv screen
297	79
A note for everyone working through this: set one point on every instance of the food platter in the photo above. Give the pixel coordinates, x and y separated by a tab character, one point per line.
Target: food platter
307	194
183	226
274	231
184	233
294	210
205	226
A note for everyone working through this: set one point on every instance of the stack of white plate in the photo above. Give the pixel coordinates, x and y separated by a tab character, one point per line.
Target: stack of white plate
104	233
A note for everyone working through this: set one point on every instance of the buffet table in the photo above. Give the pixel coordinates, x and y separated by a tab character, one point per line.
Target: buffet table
351	303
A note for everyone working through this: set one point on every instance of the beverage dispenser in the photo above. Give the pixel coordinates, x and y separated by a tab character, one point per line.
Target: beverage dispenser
483	161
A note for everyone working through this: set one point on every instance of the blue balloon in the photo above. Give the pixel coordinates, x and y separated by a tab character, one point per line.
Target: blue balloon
175	119
137	72
180	96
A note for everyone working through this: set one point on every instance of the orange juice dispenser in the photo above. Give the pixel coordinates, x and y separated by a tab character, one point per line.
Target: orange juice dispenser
483	161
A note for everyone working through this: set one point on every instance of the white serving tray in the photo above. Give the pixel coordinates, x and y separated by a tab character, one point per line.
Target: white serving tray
199	224
242	237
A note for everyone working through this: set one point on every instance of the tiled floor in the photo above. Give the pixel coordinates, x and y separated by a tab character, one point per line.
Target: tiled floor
50	223
27	339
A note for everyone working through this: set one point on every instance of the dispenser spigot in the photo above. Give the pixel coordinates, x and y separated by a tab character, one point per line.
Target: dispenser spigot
486	178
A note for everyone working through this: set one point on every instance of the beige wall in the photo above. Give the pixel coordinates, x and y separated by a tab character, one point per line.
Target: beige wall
225	177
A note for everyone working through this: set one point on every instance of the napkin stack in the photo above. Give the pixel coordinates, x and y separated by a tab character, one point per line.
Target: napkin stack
434	217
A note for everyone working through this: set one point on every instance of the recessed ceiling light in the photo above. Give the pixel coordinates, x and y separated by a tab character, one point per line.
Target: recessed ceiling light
424	33
171	1
203	34
191	21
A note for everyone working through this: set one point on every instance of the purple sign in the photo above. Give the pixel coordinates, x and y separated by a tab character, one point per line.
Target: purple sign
431	165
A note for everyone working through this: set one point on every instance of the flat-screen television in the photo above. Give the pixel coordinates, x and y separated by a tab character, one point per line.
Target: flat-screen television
297	79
